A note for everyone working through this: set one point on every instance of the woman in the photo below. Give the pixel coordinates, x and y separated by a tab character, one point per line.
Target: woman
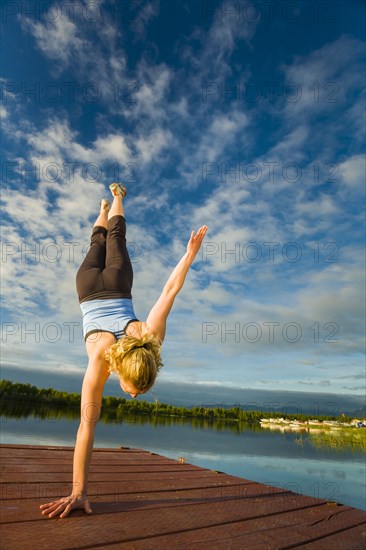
116	341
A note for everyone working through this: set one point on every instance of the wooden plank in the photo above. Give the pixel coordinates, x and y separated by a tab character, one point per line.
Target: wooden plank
117	468
7	447
28	509
48	491
30	454
54	477
68	460
350	539
136	524
65	455
285	530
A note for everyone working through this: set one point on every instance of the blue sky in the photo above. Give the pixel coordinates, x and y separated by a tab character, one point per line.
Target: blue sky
246	117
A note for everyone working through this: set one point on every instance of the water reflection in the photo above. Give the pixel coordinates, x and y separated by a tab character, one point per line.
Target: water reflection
21	410
353	440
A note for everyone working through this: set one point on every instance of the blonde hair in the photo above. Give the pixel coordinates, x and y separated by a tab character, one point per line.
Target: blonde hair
137	360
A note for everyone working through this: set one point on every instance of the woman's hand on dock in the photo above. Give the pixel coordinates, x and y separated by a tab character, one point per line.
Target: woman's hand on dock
64	505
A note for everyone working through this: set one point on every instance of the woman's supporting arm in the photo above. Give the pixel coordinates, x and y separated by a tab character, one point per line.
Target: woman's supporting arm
156	320
91	401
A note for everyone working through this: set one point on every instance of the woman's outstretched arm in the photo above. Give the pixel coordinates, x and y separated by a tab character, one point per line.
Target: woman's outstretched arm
177	278
91	401
156	320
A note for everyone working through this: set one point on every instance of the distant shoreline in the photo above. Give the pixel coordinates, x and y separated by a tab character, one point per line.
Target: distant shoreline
15	392
312	425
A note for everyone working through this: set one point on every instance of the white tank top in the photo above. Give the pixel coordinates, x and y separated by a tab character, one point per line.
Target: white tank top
111	315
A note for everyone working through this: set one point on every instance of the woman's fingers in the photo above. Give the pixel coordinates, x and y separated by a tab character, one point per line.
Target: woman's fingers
195	241
64	505
50	508
66	511
202	230
200	233
57	510
47	504
53	508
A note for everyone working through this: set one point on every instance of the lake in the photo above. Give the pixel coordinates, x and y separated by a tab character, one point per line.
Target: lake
289	460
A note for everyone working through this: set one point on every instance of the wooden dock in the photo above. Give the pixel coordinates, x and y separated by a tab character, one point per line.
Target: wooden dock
141	500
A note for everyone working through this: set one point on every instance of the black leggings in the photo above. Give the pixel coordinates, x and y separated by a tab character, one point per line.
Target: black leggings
106	271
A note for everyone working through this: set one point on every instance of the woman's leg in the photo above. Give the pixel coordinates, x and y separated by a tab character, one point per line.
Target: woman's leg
118	273
89	278
102	219
116	208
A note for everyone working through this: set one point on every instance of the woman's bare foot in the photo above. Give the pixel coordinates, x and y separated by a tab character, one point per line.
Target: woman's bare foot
118	189
105	206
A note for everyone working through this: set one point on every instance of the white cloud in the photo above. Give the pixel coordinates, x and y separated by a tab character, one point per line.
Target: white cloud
57	38
150	146
149	98
212	60
58	142
143	17
322	206
324	78
70	42
352	172
221	132
112	147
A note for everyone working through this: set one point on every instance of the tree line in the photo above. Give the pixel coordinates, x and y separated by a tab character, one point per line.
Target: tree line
27	394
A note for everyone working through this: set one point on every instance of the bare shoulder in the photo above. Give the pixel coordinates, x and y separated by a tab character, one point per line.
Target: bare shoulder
139	328
98	342
135	329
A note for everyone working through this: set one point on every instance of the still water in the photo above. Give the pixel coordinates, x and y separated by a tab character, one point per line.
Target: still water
288	460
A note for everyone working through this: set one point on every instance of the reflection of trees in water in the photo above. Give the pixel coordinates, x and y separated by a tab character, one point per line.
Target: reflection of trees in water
353	440
40	411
